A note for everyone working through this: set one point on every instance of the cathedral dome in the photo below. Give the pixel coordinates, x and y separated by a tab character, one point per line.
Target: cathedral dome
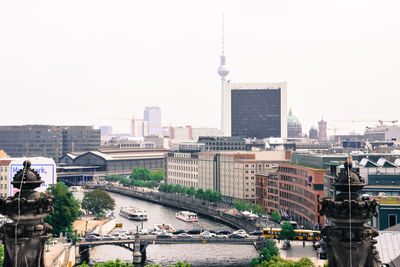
292	121
293	126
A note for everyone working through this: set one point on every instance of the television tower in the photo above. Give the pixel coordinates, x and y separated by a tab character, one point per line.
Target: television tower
223	72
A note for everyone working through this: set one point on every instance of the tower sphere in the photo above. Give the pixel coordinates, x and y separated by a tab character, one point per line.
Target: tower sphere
223	68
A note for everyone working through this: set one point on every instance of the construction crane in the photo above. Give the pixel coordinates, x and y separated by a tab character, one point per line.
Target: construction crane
366	121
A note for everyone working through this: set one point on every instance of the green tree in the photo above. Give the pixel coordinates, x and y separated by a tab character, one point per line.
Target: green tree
275	217
1	255
199	193
113	178
191	191
257	209
157	176
270	250
287	231
98	202
66	209
141	174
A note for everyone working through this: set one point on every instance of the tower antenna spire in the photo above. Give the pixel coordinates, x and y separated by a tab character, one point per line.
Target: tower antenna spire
223	33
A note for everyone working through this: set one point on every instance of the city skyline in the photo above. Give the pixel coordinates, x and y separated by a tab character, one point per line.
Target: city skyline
74	65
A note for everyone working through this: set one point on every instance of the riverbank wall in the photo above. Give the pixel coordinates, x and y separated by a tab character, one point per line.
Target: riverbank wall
205	208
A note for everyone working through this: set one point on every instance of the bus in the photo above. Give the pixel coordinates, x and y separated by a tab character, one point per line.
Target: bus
299	234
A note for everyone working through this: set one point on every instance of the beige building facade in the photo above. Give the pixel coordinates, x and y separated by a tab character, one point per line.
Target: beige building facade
4	177
233	173
182	168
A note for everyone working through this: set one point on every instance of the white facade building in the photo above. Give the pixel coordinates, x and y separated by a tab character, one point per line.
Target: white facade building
182	168
139	128
153	116
46	167
233	173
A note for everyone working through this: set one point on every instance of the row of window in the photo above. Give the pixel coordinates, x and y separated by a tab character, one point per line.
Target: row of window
182	168
292	170
298	190
295	180
3	168
5	186
297	199
182	161
183	175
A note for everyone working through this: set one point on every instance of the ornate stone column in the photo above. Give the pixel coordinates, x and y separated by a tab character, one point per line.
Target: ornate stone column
24	239
350	241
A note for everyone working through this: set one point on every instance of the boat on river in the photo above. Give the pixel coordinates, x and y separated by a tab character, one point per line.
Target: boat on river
133	213
187	216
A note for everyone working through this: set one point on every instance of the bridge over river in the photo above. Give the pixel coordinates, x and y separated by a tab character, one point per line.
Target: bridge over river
139	244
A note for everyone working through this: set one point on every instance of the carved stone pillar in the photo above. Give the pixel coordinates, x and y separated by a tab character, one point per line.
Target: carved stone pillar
24	239
350	241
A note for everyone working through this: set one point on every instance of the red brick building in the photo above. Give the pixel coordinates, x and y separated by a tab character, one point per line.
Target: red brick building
299	190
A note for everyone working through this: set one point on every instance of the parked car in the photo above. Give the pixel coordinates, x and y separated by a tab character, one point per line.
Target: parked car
184	235
221	236
123	236
257	232
207	234
177	232
194	232
92	238
164	235
143	232
241	232
238	236
224	232
108	237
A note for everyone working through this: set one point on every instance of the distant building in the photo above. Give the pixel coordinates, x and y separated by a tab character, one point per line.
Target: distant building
4	177
46	168
106	130
233	173
129	142
213	143
181	133
182	165
139	127
95	165
47	140
255	110
188	133
205	131
293	126
313	133
322	133
153	116
3	154
382	133
79	138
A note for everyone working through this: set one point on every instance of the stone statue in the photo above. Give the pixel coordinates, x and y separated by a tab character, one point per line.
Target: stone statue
350	241
24	239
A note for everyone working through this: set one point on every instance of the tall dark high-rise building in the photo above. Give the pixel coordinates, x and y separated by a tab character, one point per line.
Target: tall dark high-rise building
255	110
47	140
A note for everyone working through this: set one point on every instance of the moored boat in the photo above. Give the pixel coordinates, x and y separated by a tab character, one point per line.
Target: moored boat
133	213
187	216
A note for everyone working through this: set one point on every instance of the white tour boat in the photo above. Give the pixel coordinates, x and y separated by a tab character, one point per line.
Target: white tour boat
133	213
187	216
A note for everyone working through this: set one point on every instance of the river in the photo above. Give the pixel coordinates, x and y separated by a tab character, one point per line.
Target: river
196	255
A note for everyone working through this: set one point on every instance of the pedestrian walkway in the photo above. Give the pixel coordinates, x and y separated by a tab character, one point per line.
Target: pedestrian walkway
297	251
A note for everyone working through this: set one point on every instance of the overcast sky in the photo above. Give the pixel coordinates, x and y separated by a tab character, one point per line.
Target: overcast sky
80	62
